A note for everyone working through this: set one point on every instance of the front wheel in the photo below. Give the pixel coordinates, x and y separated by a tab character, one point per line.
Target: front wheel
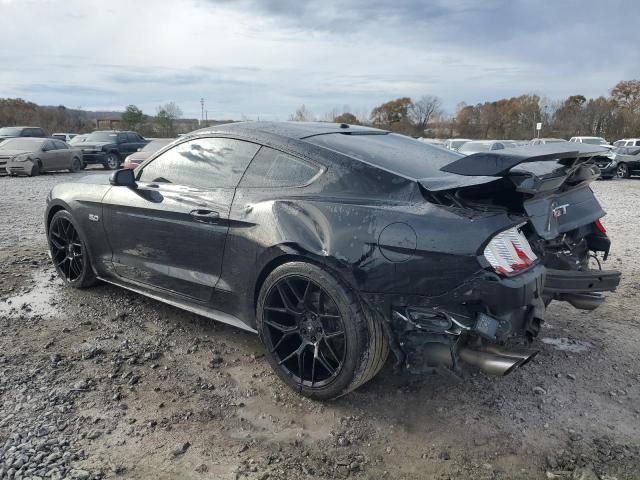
68	252
35	170
112	162
622	171
318	339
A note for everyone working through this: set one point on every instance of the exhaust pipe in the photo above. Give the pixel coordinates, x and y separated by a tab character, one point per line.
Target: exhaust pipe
492	363
583	301
524	354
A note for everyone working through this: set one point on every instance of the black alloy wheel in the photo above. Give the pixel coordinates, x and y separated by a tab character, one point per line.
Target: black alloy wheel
68	252
622	171
304	331
317	337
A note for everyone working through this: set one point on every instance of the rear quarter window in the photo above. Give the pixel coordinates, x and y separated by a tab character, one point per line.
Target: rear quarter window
272	168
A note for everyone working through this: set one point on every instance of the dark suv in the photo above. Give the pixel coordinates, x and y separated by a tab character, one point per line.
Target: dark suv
13	132
110	147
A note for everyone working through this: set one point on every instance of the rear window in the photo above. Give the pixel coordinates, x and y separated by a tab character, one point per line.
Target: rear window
396	153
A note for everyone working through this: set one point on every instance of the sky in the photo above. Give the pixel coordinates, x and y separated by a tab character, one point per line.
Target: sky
261	59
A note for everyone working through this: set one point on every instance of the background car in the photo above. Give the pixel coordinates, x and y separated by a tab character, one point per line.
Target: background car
13	132
31	156
110	147
592	141
78	139
65	137
623	162
455	143
627	142
477	146
544	141
155	144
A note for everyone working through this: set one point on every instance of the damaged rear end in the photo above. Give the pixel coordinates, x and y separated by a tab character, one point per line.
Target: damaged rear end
548	244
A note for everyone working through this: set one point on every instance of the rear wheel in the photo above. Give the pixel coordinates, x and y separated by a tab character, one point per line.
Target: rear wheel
68	252
318	339
111	162
76	165
622	171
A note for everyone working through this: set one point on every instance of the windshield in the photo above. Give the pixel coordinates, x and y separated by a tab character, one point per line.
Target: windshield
457	143
22	144
7	131
396	153
594	141
475	147
77	139
155	145
102	137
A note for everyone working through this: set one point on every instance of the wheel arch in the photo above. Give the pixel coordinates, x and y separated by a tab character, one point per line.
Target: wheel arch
290	253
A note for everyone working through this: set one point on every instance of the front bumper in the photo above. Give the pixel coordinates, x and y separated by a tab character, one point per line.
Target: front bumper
607	168
94	157
19	168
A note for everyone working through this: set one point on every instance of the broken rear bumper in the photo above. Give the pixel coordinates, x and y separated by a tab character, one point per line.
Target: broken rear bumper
486	307
590	281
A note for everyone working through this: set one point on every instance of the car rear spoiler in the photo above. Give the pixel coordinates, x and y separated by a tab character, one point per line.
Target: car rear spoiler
498	163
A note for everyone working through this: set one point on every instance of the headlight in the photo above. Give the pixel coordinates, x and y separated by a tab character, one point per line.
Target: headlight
23	157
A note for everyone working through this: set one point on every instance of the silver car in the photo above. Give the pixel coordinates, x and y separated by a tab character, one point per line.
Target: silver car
31	156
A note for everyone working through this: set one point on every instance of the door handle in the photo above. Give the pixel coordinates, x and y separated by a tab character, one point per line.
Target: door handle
205	216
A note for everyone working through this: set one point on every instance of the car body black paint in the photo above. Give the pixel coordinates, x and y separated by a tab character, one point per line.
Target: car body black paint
355	218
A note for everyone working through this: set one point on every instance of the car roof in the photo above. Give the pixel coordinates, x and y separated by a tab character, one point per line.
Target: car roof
299	130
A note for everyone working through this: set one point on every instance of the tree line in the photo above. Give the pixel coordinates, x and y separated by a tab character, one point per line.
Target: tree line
167	122
613	117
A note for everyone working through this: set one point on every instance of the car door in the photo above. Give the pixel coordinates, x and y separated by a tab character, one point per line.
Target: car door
62	155
48	156
170	231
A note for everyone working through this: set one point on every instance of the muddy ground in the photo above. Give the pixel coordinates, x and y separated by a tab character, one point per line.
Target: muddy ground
105	383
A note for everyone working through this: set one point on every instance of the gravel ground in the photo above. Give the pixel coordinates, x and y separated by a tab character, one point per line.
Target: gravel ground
105	383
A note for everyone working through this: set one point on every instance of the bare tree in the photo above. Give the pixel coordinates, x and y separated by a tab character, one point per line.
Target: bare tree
422	111
301	115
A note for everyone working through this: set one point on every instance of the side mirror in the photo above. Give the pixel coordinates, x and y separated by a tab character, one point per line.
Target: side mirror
123	178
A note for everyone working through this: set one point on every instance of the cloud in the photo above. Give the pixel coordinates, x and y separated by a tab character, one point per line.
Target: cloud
266	57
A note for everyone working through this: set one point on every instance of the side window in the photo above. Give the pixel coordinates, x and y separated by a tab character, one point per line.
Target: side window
497	146
272	168
133	138
48	146
60	145
122	138
202	163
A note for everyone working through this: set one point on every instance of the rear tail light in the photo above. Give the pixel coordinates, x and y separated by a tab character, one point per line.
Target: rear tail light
509	252
599	226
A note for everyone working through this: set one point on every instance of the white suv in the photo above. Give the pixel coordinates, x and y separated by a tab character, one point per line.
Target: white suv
592	141
627	142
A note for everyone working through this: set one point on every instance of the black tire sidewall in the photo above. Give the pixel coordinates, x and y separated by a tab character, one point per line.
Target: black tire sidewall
76	165
35	169
356	338
87	275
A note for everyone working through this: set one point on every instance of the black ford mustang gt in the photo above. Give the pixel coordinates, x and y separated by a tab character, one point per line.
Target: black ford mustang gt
338	243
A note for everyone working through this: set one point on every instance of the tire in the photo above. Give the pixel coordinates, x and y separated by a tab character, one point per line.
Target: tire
622	170
76	165
112	161
35	170
336	346
68	252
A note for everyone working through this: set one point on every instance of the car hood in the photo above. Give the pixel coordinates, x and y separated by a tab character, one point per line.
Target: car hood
12	153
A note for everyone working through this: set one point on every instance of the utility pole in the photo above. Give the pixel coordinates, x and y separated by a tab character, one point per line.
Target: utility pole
206	117
202	109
